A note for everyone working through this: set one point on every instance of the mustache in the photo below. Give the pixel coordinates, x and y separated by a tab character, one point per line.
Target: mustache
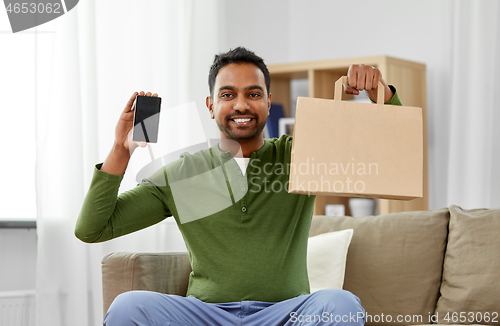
237	114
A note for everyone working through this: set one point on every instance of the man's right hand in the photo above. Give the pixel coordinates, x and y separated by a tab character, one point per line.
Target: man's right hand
124	146
124	128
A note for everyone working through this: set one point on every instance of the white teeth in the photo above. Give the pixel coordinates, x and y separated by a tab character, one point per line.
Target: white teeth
242	120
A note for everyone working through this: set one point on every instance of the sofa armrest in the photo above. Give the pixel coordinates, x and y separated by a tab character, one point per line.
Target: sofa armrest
160	272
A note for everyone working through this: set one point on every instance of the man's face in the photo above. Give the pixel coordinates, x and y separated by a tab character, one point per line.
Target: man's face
240	103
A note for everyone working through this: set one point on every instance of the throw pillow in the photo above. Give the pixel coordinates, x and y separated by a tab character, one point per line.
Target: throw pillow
394	264
326	258
471	272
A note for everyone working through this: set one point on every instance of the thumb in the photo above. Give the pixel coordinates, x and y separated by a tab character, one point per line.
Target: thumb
350	90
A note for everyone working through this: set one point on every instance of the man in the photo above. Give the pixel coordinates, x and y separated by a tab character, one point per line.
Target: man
247	245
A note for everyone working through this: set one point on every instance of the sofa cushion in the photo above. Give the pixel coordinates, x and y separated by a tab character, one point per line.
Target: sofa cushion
471	272
326	255
394	263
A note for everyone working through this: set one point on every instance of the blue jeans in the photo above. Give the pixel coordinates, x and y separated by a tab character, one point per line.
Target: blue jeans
326	307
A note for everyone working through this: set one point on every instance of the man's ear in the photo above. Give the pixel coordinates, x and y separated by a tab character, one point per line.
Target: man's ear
210	105
269	104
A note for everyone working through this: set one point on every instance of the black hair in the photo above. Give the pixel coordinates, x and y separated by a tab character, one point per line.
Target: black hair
237	55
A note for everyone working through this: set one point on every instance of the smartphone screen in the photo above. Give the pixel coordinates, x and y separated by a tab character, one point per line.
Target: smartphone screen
146	119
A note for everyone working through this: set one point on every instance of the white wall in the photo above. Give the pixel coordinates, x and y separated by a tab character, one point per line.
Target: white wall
17	259
296	30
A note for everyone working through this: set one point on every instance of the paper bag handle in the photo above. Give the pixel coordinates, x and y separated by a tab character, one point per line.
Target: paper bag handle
344	80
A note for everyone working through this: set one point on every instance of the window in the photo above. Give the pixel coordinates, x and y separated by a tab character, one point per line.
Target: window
17	133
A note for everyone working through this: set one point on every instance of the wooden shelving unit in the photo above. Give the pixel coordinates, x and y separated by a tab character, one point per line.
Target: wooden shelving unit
407	76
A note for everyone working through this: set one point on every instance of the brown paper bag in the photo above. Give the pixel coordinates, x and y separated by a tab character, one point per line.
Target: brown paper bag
343	148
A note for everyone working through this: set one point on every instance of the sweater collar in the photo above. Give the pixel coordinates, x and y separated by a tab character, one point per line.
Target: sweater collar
228	155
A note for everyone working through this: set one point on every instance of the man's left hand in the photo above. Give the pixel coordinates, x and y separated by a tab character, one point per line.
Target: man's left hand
363	77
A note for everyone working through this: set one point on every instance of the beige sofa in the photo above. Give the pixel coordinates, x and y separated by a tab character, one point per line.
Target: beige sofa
440	266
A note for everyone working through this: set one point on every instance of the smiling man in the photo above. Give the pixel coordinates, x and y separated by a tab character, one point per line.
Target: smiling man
247	246
241	102
239	98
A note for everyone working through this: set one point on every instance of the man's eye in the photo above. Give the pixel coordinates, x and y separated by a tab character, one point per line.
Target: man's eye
255	95
226	95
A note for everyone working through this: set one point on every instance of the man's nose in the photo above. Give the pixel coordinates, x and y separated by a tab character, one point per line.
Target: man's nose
241	104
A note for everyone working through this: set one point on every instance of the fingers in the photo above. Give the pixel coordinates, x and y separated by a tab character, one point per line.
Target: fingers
148	94
151	94
359	80
141	93
132	107
362	77
350	90
130	104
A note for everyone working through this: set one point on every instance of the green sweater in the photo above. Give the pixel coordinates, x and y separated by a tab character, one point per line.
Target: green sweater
246	240
246	235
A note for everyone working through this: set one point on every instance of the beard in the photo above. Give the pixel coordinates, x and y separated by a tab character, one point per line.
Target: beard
243	132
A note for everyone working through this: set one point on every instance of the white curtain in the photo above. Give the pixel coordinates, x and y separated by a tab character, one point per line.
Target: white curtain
474	153
88	63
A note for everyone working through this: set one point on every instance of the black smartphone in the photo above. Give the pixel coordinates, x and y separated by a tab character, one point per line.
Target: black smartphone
146	119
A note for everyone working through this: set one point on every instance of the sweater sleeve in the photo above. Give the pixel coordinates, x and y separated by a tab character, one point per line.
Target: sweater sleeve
105	215
395	100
